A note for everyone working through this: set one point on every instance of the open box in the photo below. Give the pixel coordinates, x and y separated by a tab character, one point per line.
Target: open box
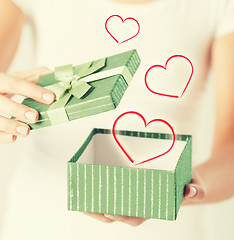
102	180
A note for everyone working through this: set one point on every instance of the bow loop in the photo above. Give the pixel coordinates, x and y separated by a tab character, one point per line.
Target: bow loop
64	73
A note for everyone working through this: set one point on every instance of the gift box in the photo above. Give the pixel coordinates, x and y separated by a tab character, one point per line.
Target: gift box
86	89
102	180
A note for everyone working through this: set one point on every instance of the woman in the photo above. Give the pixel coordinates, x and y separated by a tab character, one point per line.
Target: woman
73	31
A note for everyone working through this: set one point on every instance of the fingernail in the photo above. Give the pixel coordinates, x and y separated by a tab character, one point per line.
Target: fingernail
48	97
110	216
22	130
31	116
9	137
192	192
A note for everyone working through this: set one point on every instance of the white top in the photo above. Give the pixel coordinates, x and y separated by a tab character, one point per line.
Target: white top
73	31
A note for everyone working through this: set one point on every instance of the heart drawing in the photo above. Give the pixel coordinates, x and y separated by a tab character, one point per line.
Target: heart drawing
126	35
145	125
165	68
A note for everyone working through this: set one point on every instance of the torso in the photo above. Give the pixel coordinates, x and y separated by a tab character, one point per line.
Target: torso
73	31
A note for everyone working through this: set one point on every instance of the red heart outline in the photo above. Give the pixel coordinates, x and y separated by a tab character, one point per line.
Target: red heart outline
129	18
165	68
146	124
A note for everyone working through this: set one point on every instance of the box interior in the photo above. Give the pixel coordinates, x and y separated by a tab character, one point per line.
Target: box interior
103	150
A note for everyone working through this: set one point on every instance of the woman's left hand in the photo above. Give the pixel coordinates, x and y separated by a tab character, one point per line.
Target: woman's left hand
132	221
194	192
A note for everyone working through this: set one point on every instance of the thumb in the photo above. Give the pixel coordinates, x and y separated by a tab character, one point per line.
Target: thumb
193	194
32	75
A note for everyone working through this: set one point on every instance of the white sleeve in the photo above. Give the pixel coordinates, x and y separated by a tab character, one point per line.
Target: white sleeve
226	18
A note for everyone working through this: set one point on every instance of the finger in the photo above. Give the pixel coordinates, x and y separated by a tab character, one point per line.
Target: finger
22	87
133	221
194	193
32	75
99	217
7	138
19	111
13	127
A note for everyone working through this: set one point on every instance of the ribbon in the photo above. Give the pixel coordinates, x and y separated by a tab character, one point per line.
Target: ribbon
83	73
70	84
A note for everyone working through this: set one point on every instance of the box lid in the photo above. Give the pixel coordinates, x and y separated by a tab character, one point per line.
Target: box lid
107	89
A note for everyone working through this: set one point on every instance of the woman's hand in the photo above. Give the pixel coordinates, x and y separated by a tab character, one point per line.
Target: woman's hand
21	83
105	218
194	192
213	180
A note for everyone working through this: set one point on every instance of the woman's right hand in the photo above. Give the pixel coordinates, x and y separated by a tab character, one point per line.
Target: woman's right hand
24	84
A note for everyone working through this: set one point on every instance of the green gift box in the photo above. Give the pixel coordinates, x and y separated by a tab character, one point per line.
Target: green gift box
102	180
106	87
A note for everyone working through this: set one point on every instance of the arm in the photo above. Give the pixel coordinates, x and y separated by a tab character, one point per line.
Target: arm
11	22
216	176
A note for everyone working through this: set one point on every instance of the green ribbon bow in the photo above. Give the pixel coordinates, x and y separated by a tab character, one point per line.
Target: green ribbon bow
70	84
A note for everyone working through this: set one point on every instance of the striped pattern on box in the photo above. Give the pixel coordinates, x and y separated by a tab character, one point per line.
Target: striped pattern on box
126	191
